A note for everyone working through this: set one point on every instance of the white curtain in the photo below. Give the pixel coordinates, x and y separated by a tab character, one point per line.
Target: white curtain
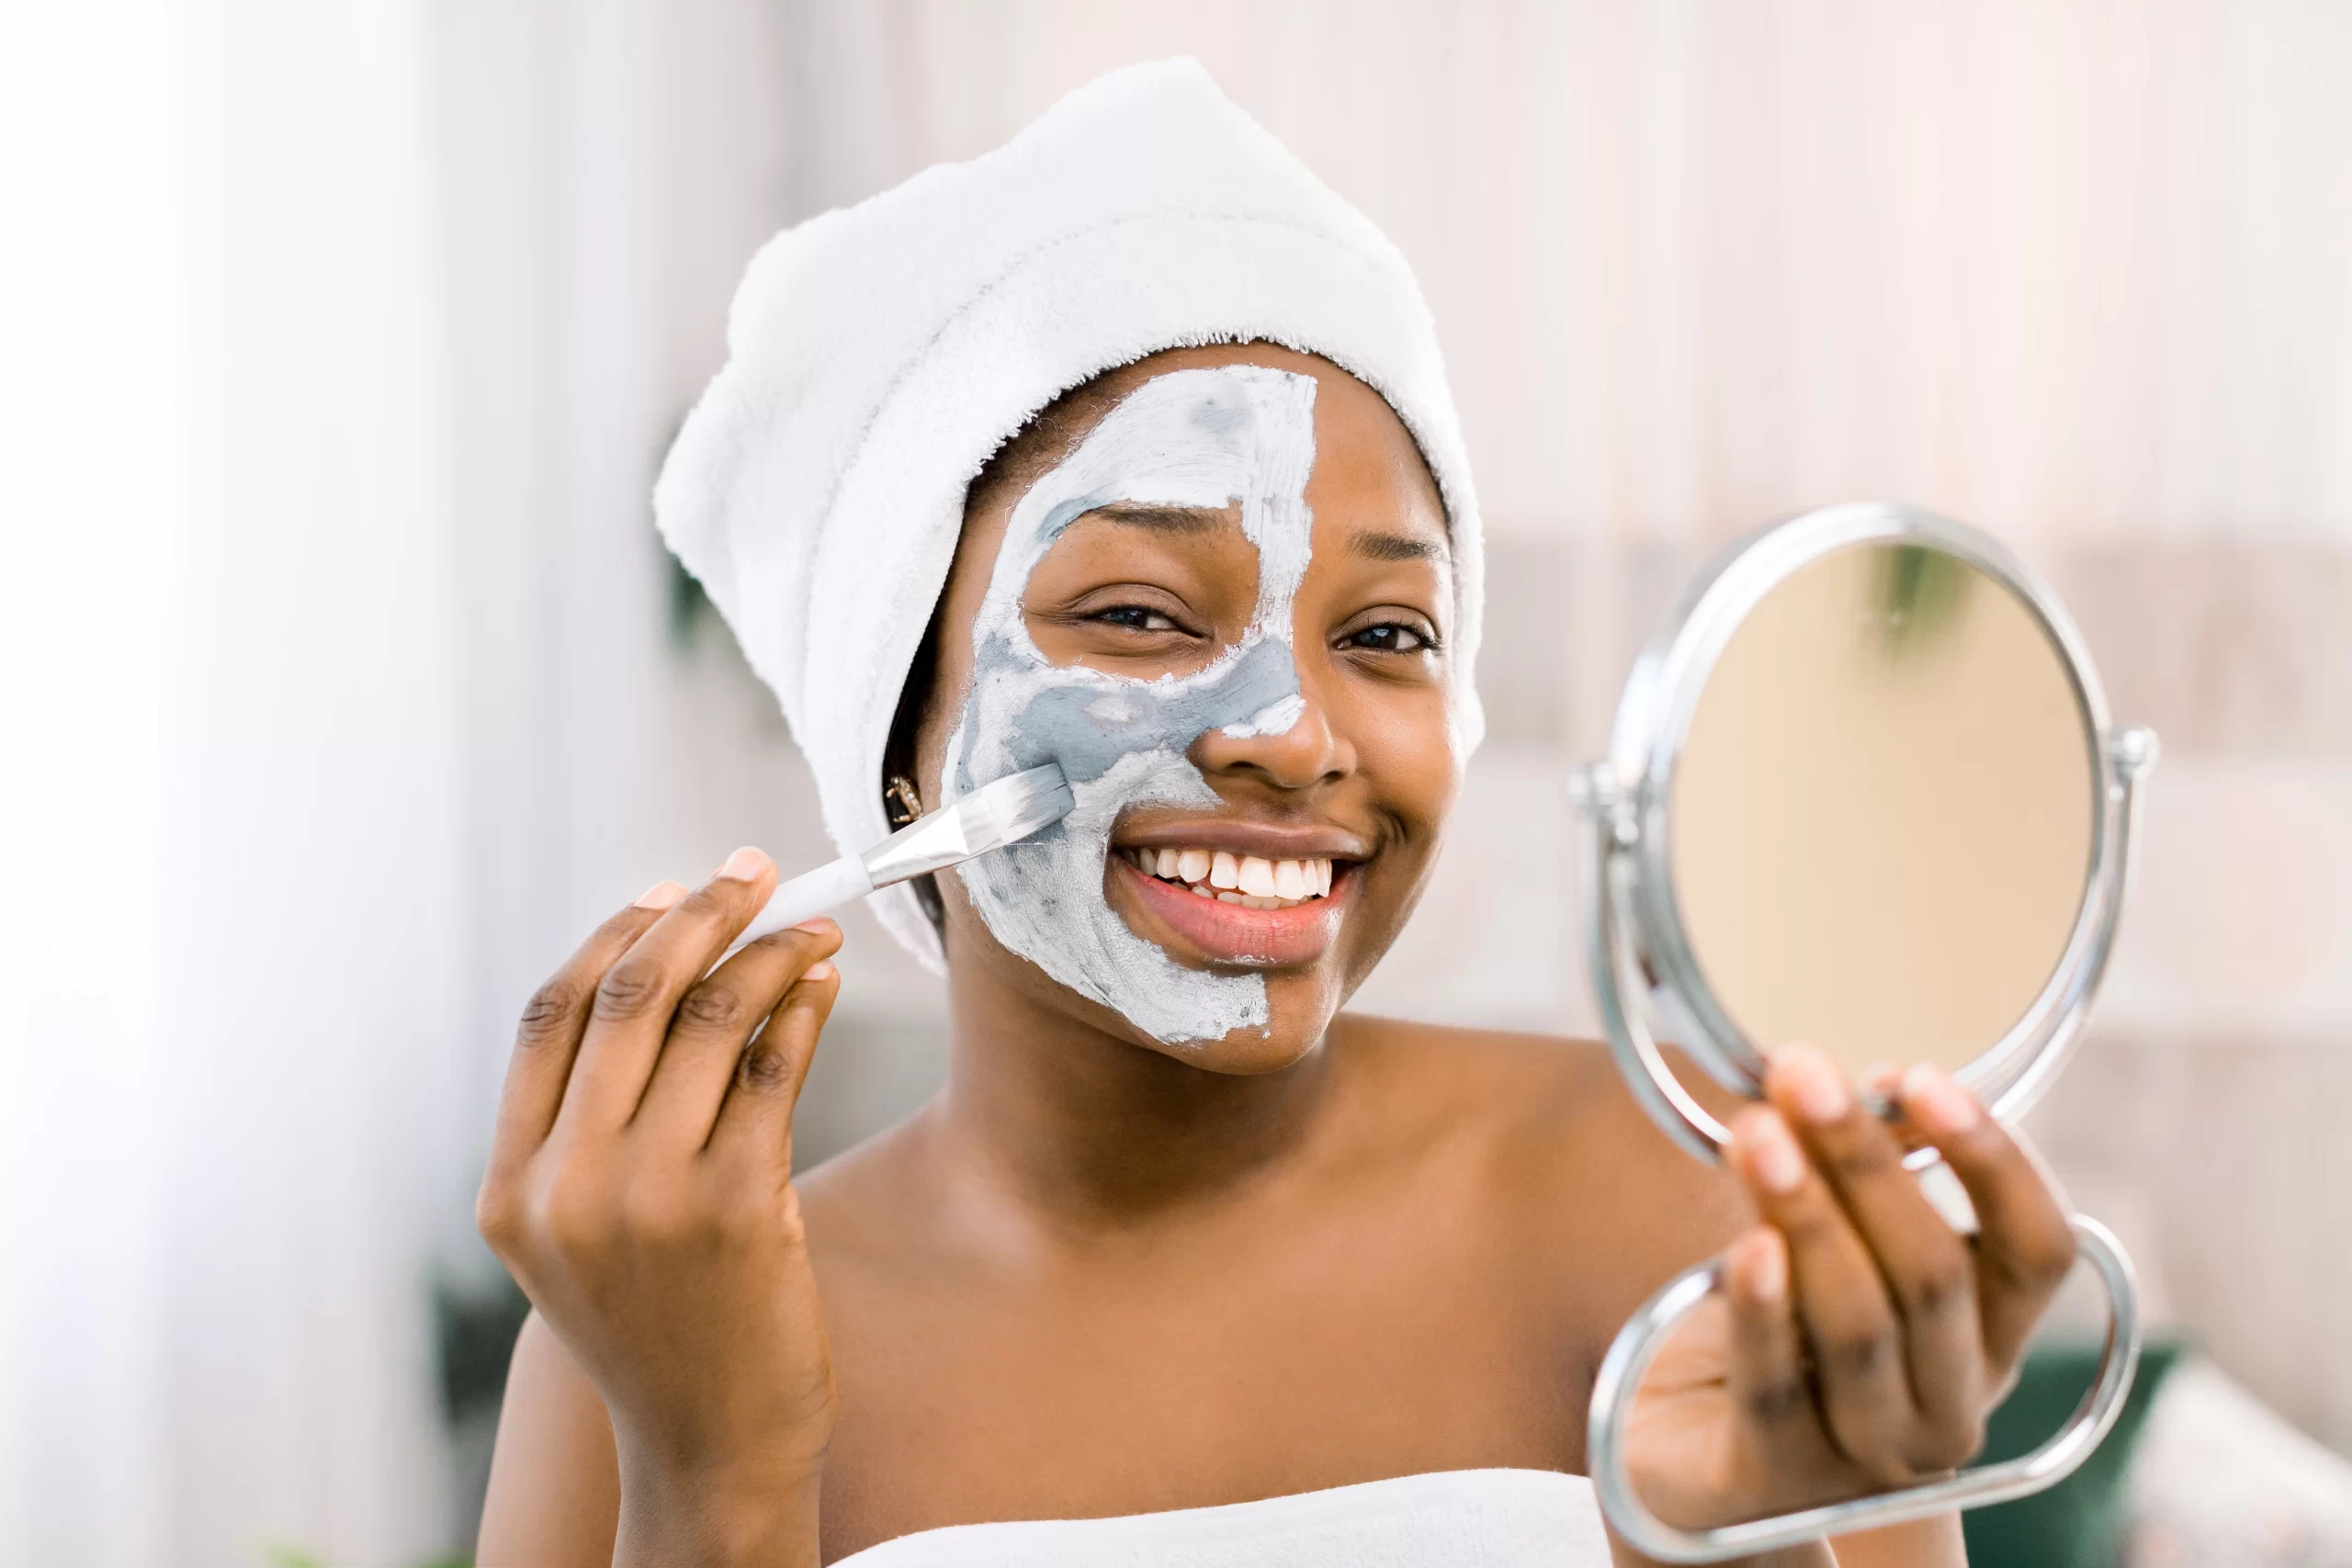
234	827
341	696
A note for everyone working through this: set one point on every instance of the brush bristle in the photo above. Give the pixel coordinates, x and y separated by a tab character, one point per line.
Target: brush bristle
1027	803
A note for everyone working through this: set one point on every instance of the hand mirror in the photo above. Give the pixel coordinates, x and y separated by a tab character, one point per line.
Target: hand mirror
1862	793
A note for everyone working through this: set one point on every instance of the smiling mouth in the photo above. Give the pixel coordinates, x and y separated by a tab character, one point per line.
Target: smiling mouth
1253	882
1176	896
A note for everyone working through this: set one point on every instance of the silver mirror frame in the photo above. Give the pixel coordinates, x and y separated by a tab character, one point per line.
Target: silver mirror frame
1639	959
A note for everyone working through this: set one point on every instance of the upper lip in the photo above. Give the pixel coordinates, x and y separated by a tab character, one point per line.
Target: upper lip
1267	841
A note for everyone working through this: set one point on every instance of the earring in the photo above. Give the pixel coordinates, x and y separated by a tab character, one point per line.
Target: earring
900	801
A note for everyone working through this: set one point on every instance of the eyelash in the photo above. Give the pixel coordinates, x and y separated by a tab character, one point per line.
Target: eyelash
1423	641
1135	618
1116	613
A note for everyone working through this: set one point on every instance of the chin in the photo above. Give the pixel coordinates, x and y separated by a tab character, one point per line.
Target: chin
1301	1006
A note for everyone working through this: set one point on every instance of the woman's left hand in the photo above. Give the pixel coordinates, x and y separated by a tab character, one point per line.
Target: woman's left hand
1859	1342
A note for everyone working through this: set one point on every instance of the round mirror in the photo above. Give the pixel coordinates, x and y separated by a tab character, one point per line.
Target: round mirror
1880	829
1861	793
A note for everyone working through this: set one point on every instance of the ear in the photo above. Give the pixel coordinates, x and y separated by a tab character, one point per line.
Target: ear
901	754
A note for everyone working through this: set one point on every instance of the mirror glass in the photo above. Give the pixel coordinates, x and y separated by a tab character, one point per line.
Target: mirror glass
1881	820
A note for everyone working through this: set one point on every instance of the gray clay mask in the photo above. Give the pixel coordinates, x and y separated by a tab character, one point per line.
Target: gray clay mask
1213	438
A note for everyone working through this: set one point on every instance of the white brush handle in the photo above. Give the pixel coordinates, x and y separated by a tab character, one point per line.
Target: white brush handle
807	896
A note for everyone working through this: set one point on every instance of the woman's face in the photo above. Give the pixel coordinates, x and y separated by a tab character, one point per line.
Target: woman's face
1221	599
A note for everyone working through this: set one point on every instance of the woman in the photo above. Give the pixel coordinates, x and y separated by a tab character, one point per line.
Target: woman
1178	1235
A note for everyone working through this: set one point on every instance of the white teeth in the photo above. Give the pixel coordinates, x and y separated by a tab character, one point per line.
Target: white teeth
1252	881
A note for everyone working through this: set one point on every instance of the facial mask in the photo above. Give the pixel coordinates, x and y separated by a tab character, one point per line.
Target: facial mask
1208	438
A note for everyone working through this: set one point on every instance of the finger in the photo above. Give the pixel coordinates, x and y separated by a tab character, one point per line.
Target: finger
1841	1304
1767	1376
754	1126
2024	1245
1926	1267
549	1037
630	1017
715	1020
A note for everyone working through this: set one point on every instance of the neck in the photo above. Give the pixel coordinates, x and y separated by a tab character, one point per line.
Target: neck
1093	1132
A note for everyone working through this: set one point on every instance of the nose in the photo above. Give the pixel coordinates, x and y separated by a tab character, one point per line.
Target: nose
1310	751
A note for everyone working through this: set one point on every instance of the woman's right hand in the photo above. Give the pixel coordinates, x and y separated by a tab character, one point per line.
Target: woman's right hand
640	1190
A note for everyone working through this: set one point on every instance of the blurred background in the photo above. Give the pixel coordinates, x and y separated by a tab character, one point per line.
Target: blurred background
346	683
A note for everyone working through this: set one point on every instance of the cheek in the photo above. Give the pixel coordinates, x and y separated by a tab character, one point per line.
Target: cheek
1404	749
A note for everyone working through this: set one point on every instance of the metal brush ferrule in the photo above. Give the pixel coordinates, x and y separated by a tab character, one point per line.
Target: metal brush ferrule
950	835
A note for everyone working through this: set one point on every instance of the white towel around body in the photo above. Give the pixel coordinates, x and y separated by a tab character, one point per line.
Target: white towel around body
1453	1518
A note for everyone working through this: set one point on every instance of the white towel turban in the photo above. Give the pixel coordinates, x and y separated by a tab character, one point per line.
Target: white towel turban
879	355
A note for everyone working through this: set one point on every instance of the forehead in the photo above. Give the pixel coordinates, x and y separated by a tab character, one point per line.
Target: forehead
1367	471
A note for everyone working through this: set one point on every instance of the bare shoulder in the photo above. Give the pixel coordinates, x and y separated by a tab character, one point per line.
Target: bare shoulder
1569	1154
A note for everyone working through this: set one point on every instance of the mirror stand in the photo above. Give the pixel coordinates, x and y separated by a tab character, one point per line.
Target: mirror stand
1867	608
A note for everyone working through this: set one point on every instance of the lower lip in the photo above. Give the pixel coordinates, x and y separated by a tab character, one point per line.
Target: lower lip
1230	933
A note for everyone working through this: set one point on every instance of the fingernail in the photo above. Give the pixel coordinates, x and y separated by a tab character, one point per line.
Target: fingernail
661	896
822	970
744	865
1764	1266
1772	1151
1814	1083
817	925
1931	1098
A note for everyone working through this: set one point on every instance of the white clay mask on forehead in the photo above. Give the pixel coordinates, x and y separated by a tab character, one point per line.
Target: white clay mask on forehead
1213	438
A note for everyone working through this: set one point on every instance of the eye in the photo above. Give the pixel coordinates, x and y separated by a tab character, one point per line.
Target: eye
1136	618
1390	637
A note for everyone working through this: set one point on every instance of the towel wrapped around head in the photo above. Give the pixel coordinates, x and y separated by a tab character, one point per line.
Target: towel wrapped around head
879	355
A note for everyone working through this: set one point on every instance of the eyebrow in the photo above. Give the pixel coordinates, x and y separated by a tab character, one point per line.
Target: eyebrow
1395	546
1201	520
1161	519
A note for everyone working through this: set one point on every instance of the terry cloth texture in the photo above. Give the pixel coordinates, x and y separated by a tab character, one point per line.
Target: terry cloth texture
879	355
1457	1519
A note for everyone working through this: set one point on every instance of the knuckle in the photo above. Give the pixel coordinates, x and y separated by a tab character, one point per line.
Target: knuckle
1940	1287
715	901
1809	1217
629	990
2062	1251
766	1069
1858	1160
1884	1463
2043	1261
1777	1401
1862	1351
1951	1444
497	1214
550	1008
712	1006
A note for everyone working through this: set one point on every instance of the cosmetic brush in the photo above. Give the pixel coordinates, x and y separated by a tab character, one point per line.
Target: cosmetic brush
988	819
